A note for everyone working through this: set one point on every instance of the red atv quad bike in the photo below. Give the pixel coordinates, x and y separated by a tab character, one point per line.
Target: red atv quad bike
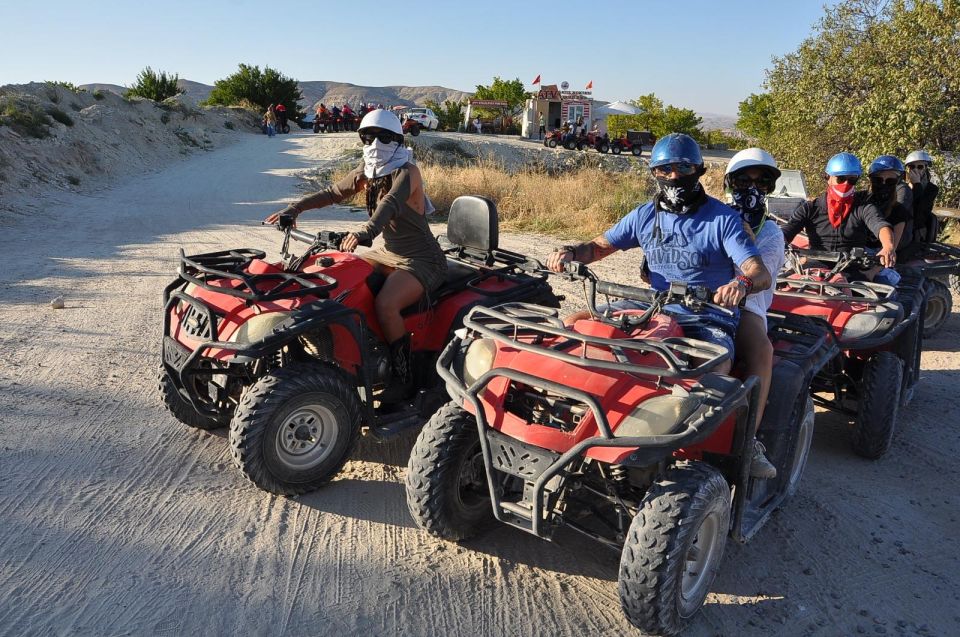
559	138
290	355
597	141
632	142
878	330
618	428
411	126
940	265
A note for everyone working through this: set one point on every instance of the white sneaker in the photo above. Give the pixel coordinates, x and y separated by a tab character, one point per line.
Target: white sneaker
760	467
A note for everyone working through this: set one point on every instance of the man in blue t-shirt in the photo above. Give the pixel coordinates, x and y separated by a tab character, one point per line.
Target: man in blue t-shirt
686	236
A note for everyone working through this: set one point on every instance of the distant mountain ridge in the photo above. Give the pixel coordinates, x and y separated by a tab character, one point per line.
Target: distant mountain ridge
329	93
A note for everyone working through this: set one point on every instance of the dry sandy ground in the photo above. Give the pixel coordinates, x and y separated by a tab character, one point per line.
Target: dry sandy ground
117	520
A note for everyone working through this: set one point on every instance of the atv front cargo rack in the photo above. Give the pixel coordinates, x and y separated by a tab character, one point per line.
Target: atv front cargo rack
509	322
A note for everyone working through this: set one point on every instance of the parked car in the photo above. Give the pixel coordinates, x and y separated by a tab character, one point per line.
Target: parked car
424	117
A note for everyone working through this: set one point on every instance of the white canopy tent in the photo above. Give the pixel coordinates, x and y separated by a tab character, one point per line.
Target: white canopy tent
617	108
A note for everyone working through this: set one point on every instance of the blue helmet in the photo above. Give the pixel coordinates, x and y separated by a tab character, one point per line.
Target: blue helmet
674	149
886	162
844	164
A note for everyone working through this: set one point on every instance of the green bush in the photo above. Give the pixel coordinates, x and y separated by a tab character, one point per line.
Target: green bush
60	116
450	114
153	85
25	117
76	107
260	88
98	94
70	86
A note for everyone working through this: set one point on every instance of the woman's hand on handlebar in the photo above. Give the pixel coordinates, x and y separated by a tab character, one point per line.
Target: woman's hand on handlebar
349	243
556	261
283	218
729	295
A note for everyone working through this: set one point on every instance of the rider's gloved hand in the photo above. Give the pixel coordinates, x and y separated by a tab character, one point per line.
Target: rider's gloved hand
349	243
730	295
561	256
284	218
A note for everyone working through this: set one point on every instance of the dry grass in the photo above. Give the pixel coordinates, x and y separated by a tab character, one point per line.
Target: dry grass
580	203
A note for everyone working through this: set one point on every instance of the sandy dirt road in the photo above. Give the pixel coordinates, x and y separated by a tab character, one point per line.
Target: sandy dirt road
117	520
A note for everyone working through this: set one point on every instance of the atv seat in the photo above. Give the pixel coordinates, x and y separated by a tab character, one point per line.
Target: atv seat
473	230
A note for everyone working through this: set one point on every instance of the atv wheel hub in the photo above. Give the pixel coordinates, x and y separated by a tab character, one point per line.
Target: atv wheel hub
700	562
306	436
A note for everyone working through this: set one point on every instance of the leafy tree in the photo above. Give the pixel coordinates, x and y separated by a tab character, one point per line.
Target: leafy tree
754	116
154	85
261	88
450	113
510	90
876	76
658	119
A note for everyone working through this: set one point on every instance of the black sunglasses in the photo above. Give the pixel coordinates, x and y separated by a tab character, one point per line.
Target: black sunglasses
847	179
916	166
889	181
385	137
764	182
684	169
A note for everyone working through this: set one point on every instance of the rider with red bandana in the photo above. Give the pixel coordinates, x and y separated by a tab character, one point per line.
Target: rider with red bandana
842	218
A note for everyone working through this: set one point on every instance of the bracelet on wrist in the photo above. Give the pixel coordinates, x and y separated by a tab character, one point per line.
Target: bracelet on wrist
745	281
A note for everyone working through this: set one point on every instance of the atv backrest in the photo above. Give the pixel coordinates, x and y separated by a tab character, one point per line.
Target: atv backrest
473	223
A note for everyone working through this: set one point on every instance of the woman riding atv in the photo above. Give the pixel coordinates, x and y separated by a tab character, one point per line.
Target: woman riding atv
411	258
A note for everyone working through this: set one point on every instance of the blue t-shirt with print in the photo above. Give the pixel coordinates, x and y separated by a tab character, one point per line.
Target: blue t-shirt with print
700	248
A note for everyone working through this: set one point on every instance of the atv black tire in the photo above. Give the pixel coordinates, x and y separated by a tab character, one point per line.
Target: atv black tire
551	143
604	148
616	149
415	130
682	525
939	307
180	407
295	428
447	491
801	450
637	150
570	145
879	402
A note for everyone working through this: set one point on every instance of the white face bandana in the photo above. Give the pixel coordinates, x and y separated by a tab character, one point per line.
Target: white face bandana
381	159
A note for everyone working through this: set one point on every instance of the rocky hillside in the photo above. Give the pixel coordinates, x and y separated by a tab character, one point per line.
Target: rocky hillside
51	136
327	92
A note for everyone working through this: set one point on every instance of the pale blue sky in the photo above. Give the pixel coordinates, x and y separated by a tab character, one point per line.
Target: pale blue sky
696	54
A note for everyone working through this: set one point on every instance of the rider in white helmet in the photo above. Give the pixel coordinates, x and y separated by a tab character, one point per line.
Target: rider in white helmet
925	224
751	175
411	257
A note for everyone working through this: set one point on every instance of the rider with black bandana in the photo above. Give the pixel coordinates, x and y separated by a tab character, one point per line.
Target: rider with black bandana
886	176
751	175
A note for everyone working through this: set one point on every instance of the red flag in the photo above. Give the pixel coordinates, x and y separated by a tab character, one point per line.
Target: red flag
589	85
536	80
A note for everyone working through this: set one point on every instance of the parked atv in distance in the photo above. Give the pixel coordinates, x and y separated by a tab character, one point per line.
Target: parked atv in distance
597	141
878	330
619	428
291	356
411	126
632	142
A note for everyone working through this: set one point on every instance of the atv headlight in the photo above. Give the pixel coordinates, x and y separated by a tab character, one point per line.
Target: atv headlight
876	321
258	327
658	416
478	360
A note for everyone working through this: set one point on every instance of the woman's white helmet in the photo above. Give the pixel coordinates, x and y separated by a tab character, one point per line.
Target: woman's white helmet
381	118
749	157
919	155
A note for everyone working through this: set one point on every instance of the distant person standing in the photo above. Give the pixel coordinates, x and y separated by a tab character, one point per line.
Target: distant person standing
477	124
282	118
270	117
543	125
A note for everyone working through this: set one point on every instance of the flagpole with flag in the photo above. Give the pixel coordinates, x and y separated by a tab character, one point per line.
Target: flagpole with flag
536	80
589	85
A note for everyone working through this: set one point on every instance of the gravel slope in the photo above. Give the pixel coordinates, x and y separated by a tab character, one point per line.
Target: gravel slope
118	520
